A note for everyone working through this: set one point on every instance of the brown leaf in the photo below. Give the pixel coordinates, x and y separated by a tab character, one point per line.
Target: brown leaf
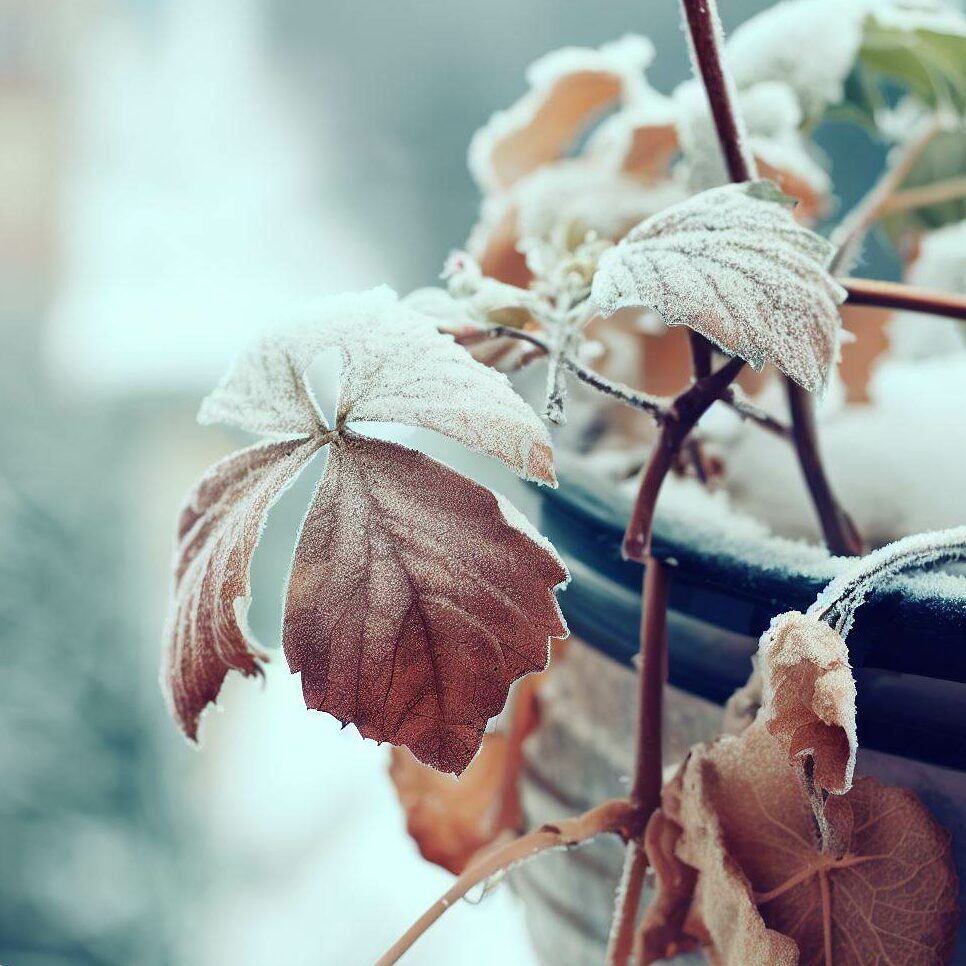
415	601
767	894
567	89
218	529
452	819
808	698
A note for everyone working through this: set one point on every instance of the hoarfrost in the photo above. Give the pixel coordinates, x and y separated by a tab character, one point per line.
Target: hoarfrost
397	367
732	264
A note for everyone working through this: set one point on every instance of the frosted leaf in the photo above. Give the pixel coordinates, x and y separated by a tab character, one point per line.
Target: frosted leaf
397	367
772	117
732	264
808	697
940	265
795	42
219	526
567	89
846	593
414	602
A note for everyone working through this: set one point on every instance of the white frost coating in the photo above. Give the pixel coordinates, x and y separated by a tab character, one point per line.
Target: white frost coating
810	45
396	368
772	117
733	264
912	15
845	594
590	195
940	265
624	61
519	521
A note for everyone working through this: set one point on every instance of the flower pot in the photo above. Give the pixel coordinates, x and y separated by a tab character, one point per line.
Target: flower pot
908	650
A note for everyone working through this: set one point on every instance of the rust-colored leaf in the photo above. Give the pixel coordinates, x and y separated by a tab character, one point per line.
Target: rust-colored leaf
416	599
452	819
218	529
809	697
767	893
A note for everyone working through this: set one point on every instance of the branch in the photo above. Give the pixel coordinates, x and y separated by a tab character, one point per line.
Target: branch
616	816
706	41
853	227
936	193
655	406
840	533
893	295
735	399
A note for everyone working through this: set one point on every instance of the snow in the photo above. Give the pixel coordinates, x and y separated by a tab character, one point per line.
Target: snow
940	265
809	45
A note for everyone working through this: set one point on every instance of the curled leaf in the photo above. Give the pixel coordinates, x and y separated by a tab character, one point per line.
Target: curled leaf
567	89
218	529
732	264
809	697
415	601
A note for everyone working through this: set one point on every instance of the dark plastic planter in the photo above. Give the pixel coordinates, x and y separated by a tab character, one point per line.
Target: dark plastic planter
908	646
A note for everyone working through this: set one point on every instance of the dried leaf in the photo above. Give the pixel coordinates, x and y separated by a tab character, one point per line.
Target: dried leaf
732	264
415	601
567	89
218	529
766	893
397	367
452	819
809	697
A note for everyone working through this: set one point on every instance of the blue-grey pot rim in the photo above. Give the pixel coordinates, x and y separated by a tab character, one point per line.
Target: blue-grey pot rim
908	645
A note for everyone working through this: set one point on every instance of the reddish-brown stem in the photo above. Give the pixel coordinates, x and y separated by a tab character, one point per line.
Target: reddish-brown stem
683	416
840	533
893	295
646	785
616	816
704	30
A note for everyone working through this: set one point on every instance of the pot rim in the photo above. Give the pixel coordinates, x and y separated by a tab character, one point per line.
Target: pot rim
908	645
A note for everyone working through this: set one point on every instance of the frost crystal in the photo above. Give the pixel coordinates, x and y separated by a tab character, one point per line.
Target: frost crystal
732	264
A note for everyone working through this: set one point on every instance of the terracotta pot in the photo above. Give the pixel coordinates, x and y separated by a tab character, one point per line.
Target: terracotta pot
908	648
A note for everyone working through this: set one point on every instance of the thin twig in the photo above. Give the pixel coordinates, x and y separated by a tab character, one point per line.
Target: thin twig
655	406
852	229
936	193
735	399
616	817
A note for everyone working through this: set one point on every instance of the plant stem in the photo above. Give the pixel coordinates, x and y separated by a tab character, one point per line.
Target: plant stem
841	536
893	295
615	816
852	229
646	787
951	189
706	39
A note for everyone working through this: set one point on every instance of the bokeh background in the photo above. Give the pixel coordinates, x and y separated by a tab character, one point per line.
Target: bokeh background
175	177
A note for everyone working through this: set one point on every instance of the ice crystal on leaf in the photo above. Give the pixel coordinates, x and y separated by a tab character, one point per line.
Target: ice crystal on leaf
732	264
433	595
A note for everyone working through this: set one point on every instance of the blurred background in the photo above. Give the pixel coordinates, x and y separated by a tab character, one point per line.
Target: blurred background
175	177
